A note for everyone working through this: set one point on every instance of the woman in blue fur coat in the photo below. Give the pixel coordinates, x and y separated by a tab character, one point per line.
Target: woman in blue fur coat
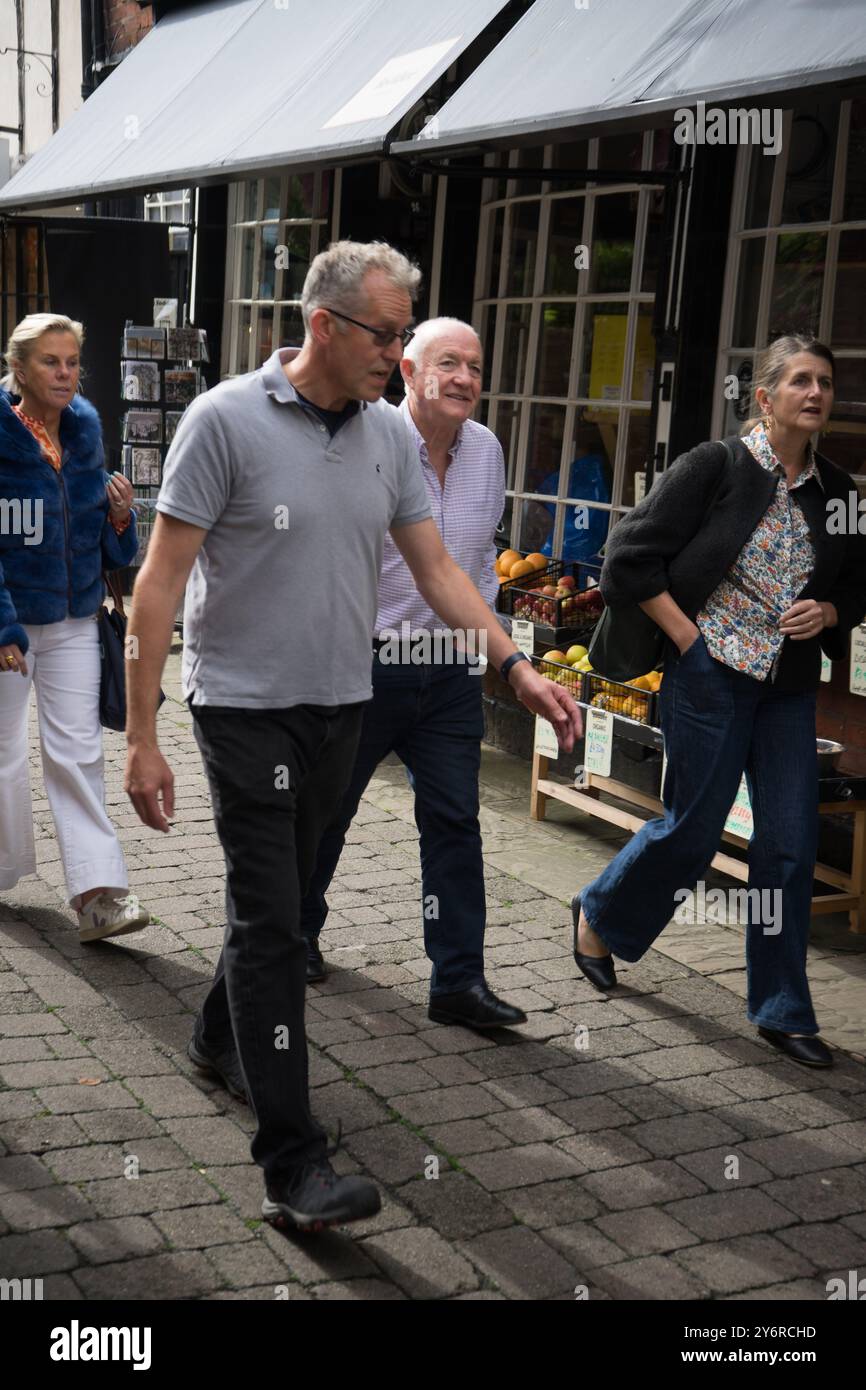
62	522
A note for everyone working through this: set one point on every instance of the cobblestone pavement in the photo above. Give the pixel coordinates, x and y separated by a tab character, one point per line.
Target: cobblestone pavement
609	1166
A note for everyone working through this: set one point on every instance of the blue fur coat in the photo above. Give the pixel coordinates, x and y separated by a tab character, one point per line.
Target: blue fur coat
55	535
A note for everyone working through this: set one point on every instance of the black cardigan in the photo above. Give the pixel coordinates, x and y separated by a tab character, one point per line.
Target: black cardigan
694	521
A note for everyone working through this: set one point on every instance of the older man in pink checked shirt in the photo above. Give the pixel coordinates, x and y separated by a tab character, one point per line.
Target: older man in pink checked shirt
426	704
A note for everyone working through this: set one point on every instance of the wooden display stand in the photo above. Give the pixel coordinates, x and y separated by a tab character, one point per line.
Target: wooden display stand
851	894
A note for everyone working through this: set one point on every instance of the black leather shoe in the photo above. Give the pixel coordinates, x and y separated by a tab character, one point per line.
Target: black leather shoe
599	970
316	971
811	1052
225	1066
477	1007
315	1197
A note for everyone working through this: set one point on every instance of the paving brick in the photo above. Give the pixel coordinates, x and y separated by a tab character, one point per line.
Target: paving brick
76	1100
170	1096
699	1092
583	1245
683	1134
149	1192
733	1213
132	1059
22	1172
649	1102
758	1083
51	1073
450	1071
656	1277
642	1184
41	1133
30	1024
170	1276
109	1126
124	1237
359	1290
351	1106
689	1060
604	1148
828	1244
821	1196
558	1203
421	1263
757	1119
446	1103
395	1078
461	1137
534	1125
329	1257
38	1252
789	1154
192	1228
528	1163
380	1051
802	1290
679	1032
455	1206
44	1206
22	1050
521	1264
210	1141
745	1262
646	1231
520	1091
592	1112
248	1263
391	1153
712	1166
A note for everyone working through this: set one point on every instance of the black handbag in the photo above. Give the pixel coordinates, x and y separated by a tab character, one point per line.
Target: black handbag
112	649
626	642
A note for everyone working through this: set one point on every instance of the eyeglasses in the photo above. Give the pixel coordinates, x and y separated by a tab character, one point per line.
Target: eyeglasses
383	337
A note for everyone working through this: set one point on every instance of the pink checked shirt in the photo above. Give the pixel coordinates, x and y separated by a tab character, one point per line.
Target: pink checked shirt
467	511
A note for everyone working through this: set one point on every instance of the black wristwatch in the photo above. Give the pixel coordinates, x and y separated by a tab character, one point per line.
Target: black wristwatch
512	660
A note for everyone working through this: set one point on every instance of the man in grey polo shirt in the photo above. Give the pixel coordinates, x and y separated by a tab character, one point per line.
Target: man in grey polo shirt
279	489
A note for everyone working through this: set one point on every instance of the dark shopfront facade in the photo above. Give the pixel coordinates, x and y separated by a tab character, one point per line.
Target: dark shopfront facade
601	364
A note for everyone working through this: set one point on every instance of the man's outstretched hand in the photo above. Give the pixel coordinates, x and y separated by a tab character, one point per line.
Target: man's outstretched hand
550	701
149	784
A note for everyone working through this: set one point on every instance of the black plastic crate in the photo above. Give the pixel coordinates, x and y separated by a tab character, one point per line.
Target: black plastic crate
620	698
562	674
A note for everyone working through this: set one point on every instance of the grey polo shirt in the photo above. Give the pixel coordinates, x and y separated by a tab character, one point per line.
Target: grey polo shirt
281	601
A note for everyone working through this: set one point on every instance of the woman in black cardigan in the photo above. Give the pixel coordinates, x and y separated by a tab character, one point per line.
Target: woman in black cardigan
739	556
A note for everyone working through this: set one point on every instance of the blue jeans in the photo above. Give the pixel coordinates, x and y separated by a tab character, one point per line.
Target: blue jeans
431	717
718	723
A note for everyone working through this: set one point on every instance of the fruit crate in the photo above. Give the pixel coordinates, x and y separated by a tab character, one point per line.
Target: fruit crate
619	698
563	675
577	612
549	575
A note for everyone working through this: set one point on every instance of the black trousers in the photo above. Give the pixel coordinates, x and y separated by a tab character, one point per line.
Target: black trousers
276	777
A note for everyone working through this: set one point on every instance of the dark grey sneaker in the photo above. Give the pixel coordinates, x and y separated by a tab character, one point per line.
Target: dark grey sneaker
315	1197
225	1065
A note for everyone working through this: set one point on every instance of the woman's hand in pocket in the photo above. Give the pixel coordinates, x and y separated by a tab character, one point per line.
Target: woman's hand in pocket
690	639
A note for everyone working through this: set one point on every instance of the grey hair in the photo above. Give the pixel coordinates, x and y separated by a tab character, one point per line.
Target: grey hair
335	277
427	334
774	359
24	337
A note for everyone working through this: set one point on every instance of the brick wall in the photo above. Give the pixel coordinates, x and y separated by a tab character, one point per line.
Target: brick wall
126	23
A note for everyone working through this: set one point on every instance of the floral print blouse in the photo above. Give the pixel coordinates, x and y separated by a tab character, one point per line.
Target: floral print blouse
740	620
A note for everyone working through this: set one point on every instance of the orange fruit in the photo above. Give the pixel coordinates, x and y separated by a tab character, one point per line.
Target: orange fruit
538	561
519	569
507	559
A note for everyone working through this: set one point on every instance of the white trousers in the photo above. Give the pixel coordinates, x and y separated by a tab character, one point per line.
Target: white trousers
63	665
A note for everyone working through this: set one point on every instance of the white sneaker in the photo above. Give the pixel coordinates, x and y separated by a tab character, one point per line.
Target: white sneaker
106	916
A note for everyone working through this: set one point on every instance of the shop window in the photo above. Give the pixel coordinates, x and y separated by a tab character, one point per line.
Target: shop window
23	273
810	280
569	346
277	225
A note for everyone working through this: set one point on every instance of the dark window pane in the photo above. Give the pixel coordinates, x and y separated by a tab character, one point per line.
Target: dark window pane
295	258
249	201
524	247
855	178
494	252
811	157
507	432
798	277
268	262
566	233
748	291
264	347
653	242
637	451
271	211
514	348
546	424
850	379
248	246
665	152
299	202
643	370
554	350
849	311
760	187
529	159
621	152
244	314
738	394
612	250
488	337
571	154
603	351
291	326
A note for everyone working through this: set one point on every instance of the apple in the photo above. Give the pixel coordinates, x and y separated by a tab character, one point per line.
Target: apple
549	591
575	653
566	582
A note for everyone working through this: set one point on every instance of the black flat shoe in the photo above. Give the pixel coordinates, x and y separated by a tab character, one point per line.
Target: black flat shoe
477	1007
599	970
225	1066
316	971
811	1052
